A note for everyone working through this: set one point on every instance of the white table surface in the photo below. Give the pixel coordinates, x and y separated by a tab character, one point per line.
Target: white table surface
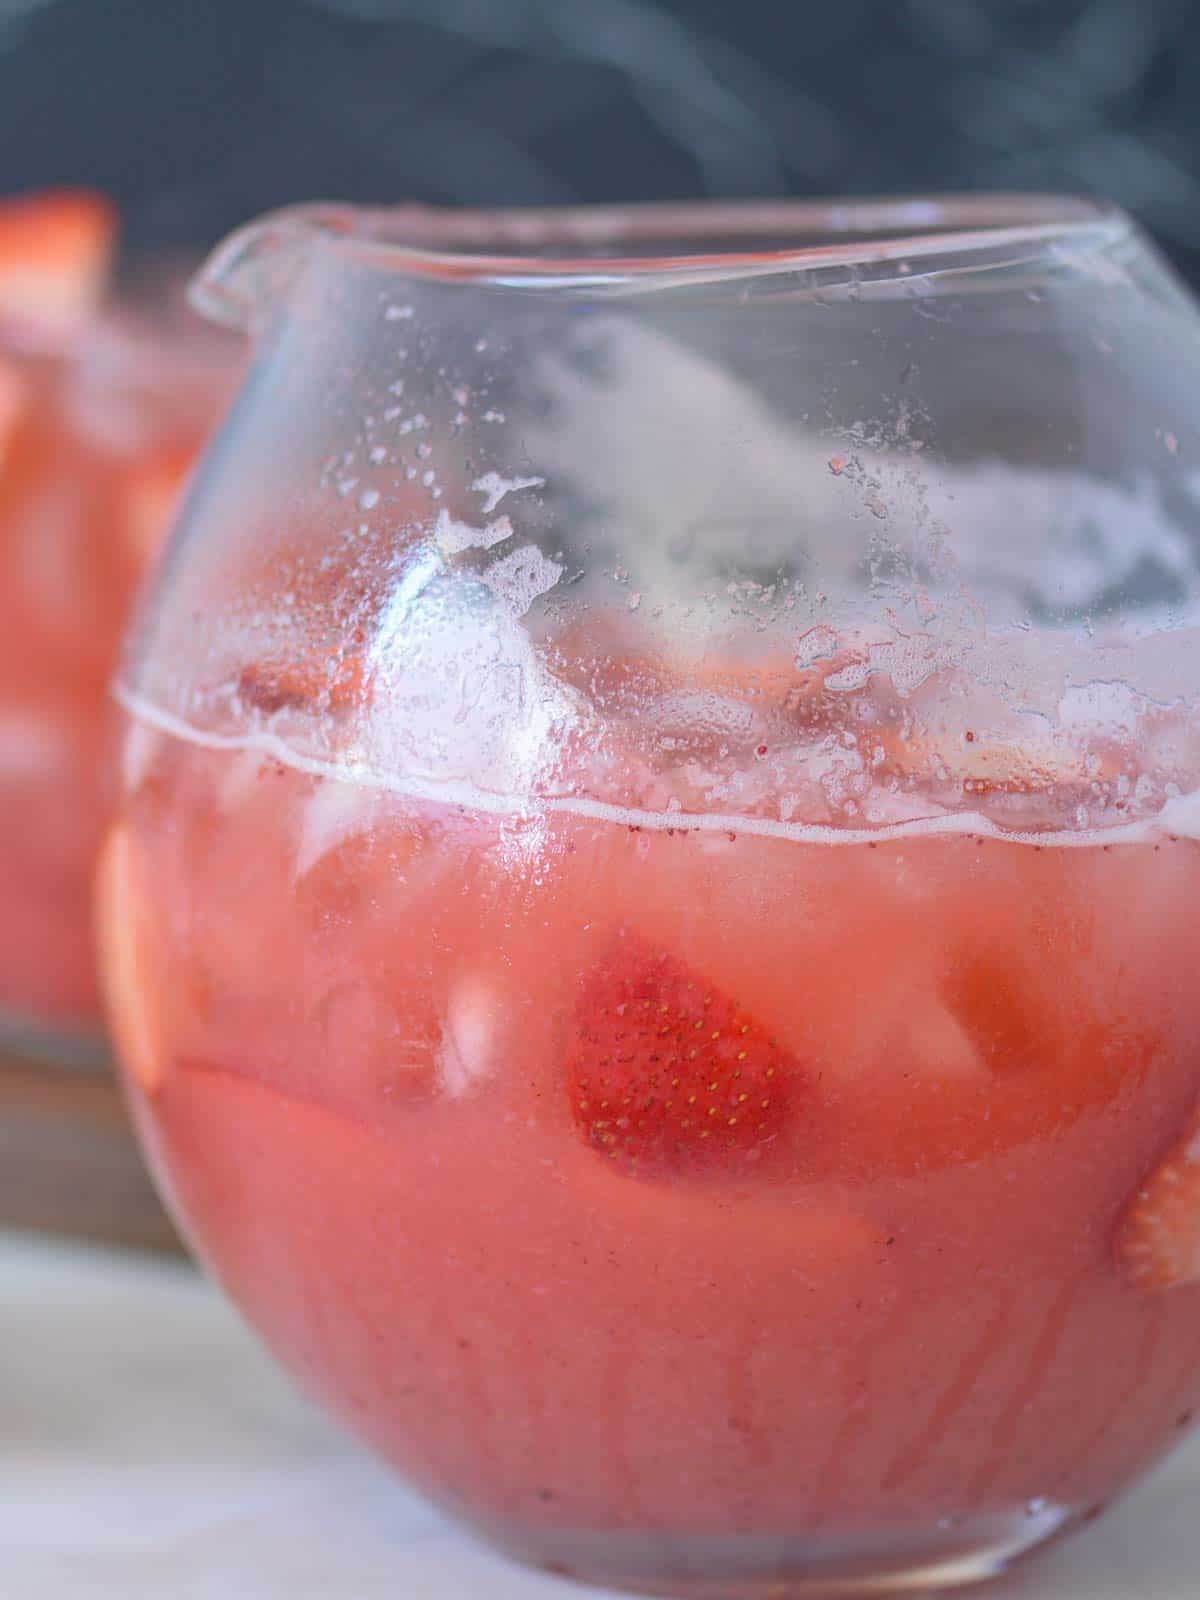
148	1449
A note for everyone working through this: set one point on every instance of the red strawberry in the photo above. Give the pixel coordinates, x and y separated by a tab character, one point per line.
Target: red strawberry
1158	1237
666	1074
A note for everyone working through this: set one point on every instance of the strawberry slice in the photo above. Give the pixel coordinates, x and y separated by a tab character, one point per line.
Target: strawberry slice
1158	1237
666	1074
304	684
125	943
55	253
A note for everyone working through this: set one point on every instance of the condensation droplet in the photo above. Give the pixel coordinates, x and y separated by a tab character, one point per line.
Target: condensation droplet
368	499
520	577
454	536
494	488
398	313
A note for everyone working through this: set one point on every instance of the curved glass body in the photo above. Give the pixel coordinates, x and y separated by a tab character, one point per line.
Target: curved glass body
102	410
651	923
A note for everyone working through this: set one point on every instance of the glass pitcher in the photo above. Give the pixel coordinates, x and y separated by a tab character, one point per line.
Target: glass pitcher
650	923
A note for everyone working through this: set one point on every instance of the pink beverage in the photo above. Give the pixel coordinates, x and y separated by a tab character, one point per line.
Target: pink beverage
101	413
698	1070
727	1222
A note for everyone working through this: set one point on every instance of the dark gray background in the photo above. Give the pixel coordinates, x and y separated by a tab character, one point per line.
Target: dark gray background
198	113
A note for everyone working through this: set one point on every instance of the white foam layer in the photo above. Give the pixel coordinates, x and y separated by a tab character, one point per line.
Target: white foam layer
1179	817
649	442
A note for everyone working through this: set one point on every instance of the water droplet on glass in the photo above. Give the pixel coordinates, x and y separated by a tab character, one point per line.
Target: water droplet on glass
398	313
346	487
520	577
378	455
368	499
494	488
396	388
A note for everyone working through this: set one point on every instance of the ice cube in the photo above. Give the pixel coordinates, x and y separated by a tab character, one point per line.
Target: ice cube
460	692
469	1043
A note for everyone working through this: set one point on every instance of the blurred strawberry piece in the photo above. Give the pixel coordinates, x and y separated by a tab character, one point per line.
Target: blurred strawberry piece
56	250
125	943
